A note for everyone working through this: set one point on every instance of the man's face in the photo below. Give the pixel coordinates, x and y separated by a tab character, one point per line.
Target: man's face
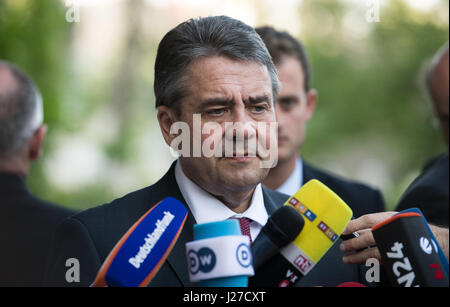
225	91
294	108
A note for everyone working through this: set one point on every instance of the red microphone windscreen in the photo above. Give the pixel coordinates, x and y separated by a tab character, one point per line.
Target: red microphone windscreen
351	284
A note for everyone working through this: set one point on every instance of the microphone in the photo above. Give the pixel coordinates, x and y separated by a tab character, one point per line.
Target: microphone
350	284
325	218
283	226
220	255
140	253
440	252
409	252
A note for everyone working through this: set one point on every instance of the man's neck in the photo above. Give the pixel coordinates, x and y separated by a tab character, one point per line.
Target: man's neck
237	200
280	173
14	166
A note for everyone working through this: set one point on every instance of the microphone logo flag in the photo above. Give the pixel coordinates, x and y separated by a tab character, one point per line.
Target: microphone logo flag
142	250
244	255
219	257
425	245
204	260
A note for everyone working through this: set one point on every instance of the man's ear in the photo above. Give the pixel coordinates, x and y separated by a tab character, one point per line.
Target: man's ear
311	99
36	142
166	118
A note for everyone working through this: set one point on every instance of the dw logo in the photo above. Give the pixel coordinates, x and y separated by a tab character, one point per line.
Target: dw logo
244	255
204	260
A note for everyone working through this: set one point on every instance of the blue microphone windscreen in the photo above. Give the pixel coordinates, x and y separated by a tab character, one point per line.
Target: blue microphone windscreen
147	245
216	229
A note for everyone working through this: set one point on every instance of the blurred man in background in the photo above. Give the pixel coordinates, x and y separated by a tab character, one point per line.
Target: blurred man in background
26	223
429	192
294	108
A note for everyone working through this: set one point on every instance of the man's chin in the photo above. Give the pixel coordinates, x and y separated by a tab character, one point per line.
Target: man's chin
283	158
244	176
239	160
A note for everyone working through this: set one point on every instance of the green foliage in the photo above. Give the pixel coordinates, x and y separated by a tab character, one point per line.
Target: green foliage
370	88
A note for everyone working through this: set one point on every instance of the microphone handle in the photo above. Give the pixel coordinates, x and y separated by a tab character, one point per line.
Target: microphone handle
263	249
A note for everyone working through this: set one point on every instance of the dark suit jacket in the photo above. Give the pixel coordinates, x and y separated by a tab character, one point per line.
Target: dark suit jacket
429	192
361	198
90	235
331	271
26	228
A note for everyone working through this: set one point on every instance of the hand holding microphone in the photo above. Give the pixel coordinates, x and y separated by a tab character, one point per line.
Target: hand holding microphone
361	248
410	252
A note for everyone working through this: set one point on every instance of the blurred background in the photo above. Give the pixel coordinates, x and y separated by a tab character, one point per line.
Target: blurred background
93	61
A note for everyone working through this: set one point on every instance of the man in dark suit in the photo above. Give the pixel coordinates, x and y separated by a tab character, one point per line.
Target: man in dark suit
26	223
429	191
295	106
209	72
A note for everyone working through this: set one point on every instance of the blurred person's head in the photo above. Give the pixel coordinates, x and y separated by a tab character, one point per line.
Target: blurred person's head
21	117
438	87
217	67
296	100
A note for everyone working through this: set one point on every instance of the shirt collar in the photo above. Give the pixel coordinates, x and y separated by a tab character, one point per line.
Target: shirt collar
294	181
206	208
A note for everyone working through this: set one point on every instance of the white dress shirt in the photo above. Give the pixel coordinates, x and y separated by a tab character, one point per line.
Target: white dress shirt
206	208
295	180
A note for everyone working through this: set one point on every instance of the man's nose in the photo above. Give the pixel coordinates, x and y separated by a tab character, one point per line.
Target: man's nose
243	126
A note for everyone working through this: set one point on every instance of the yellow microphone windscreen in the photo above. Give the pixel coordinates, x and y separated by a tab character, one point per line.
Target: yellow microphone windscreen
326	215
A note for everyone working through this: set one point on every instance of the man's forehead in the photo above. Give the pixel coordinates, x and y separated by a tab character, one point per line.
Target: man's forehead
290	68
218	76
219	68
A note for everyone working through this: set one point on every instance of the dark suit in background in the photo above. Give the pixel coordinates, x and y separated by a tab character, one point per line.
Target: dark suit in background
429	192
27	225
361	198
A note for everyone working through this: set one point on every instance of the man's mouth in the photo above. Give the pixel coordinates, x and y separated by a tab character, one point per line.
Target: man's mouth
282	139
239	157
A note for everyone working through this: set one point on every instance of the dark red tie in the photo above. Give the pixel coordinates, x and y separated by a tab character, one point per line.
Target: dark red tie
244	222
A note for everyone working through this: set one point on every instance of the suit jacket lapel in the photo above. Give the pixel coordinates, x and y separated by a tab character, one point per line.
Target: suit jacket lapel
270	203
308	173
177	257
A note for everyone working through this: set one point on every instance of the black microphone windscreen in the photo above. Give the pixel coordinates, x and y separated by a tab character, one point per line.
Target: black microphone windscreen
284	225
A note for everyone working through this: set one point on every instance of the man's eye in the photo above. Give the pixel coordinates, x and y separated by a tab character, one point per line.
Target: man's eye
258	109
287	104
216	112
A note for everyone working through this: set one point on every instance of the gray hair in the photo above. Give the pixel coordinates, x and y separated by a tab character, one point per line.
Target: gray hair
205	37
431	69
21	112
